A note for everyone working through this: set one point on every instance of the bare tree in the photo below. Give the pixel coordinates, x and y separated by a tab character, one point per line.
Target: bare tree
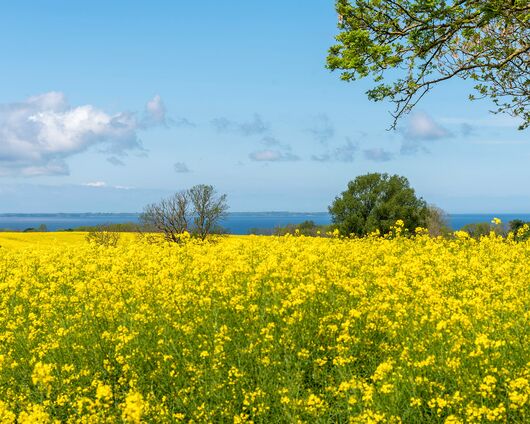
208	209
437	221
169	216
197	210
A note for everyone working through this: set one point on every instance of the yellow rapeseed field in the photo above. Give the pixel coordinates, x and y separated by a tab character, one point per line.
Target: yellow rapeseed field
265	329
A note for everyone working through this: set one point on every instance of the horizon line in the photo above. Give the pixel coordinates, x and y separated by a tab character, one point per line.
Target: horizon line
245	212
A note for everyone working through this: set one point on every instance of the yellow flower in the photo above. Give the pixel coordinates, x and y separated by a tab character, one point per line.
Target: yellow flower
103	393
133	408
36	414
6	416
42	374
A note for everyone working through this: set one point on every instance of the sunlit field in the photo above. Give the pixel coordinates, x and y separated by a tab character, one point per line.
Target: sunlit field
264	329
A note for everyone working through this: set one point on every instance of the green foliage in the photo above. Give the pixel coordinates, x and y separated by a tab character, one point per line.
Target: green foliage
520	229
427	42
123	227
516	224
305	228
374	202
40	229
480	229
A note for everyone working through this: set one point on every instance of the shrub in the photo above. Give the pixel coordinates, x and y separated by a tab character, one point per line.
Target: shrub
101	237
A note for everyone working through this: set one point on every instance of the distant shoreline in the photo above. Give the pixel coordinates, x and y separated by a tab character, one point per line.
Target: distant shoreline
235	222
138	213
4	214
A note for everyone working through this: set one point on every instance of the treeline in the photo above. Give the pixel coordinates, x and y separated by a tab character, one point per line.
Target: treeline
125	227
306	228
437	225
42	228
516	226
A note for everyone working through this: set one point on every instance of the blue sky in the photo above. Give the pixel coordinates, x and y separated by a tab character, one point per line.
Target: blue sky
107	106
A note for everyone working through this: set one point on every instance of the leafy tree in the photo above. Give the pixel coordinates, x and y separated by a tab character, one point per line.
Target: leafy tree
427	42
519	228
375	202
516	224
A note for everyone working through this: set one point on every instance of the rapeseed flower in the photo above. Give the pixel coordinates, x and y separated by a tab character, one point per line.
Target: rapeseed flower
404	328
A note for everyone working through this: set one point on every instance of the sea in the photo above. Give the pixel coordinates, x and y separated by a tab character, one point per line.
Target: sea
234	223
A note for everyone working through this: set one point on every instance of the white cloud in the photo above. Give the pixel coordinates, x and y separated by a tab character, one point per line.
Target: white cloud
115	161
272	156
343	153
96	184
346	152
492	121
155	112
324	157
378	154
39	133
248	128
422	127
181	168
322	128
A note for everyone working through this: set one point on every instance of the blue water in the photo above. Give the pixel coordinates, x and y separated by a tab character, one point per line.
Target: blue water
457	221
235	223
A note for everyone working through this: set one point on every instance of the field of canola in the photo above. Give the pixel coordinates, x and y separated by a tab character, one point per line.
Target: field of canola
264	329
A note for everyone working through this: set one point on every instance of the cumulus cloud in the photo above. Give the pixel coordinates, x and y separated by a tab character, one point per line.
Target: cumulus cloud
322	129
273	156
493	121
378	155
96	184
256	126
181	167
467	129
271	141
422	127
410	147
346	153
324	157
182	122
343	153
115	161
273	151
39	133
155	112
